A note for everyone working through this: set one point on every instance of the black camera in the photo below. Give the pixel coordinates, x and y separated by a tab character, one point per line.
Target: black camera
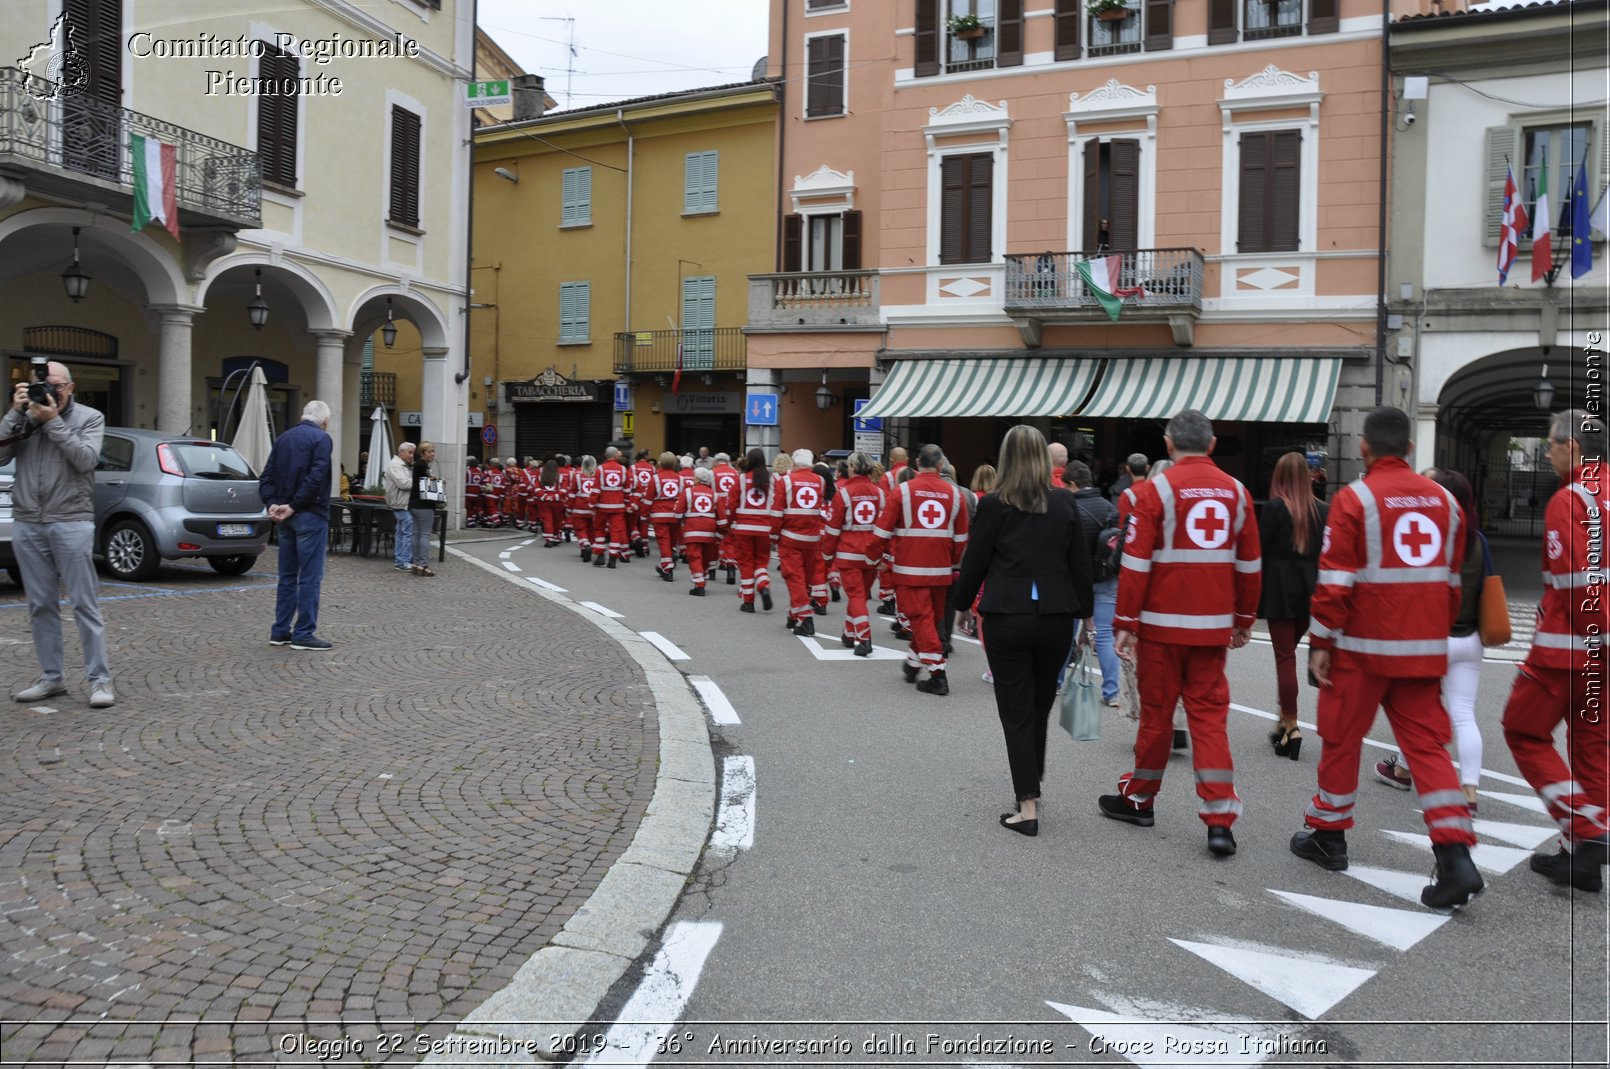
41	392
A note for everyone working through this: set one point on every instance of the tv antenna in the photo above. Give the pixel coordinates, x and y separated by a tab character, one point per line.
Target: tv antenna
570	49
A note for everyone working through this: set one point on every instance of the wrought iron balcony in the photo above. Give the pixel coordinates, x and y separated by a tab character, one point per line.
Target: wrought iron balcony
1046	287
702	349
815	300
77	147
377	388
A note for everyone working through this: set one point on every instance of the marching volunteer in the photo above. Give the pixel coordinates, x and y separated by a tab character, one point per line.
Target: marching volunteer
797	523
523	506
703	514
846	547
567	484
492	493
472	493
726	478
1187	592
1563	677
750	533
513	514
579	504
609	507
665	492
533	478
924	527
551	503
1386	599
637	522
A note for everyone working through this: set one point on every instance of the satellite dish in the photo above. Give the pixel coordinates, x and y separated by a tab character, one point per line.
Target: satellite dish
759	71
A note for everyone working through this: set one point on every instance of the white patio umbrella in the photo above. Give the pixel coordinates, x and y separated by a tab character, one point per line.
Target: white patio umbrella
254	435
379	447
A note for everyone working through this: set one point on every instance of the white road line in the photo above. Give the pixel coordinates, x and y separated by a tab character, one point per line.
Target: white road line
600	610
1525	801
839	653
735	819
1399	929
721	710
1308	983
513	567
1529	836
544	584
506	554
660	998
664	645
1404	885
527	542
1121	1032
1498	859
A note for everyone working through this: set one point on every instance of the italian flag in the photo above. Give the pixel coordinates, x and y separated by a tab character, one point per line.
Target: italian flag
155	191
1101	279
1542	244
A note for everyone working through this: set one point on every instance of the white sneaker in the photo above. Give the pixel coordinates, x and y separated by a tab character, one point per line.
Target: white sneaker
988	677
102	697
41	690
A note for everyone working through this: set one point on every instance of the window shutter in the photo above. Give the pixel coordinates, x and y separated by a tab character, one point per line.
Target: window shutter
290	67
851	241
1089	236
824	91
710	173
1503	147
1285	191
980	205
793	235
1068	14
700	174
1159	25
98	35
1322	16
567	198
583	300
927	37
1009	34
1221	21
404	167
1252	195
276	119
567	310
1123	208
835	75
952	209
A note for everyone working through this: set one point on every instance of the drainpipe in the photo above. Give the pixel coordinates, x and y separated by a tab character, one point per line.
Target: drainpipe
782	132
631	148
469	214
1380	239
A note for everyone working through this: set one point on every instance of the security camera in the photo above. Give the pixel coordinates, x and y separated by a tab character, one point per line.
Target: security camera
1408	120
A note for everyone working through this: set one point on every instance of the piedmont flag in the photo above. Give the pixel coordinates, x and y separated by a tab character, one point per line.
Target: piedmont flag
1542	245
1581	224
1512	224
155	191
1101	279
676	379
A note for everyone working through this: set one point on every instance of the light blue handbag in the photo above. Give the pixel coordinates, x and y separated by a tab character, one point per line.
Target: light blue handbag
1080	700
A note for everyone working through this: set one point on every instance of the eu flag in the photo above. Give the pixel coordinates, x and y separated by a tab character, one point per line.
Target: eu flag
1581	225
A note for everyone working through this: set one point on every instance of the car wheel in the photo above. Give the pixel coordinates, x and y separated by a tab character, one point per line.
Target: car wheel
234	564
131	552
16	575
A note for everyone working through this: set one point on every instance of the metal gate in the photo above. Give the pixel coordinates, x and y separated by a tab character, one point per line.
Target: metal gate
1513	495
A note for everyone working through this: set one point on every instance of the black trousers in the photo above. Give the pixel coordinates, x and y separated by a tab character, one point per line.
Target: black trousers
1026	652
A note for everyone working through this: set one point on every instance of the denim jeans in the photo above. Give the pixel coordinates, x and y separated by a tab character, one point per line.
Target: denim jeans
303	541
402	545
1106	605
423	523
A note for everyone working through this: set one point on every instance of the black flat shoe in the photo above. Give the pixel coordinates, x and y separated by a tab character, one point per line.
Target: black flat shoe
1030	828
1221	842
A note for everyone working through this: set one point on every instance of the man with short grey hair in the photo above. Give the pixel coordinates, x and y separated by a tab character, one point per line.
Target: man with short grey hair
397	479
295	485
57	443
1136	465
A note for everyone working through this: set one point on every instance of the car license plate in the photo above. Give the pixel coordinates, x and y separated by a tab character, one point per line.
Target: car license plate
5	499
234	530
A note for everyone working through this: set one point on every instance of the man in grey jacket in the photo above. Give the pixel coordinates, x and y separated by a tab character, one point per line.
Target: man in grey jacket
398	479
57	446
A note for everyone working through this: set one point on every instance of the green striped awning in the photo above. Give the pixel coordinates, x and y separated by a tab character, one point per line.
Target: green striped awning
969	386
1260	390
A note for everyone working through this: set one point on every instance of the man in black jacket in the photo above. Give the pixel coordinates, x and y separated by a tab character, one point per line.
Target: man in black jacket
1097	514
295	485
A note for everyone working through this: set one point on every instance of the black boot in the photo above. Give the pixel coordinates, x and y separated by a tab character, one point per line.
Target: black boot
732	577
1117	807
863	649
1327	849
1578	868
1182	739
586	555
746	606
599	561
936	683
1455	879
696	591
612	562
886	607
1221	842
848	640
911	671
834	593
819	607
806	627
668	574
765	598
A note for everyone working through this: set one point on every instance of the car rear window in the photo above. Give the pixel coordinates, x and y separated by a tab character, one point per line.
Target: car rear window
211	460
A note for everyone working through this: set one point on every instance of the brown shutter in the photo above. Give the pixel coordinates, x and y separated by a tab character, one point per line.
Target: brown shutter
1322	16
1253	193
1009	34
819	76
927	35
1089	237
793	237
1285	190
404	167
1221	21
97	32
285	134
851	241
1068	14
980	207
835	76
276	117
1123	196
952	209
1159	25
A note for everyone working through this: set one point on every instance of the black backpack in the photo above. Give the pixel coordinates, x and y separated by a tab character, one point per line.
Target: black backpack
1105	549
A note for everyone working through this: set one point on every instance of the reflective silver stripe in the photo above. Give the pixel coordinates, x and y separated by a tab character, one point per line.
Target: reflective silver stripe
1551	793
1338	801
919	532
1573	580
834	531
1253	566
1588	500
1327	815
1135	564
802	512
1372	523
1319	630
1219	805
1435	799
1394	647
858	558
881	533
1553	640
1194	556
1434	574
1181	620
1147	773
738	528
1215	775
1337	577
1461	823
1125	619
908	569
800	537
1165	495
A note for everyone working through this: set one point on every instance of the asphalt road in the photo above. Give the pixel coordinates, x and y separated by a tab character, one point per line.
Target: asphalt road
879	903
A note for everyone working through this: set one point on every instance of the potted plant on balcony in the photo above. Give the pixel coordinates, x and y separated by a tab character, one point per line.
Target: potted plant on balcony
966	27
1108	10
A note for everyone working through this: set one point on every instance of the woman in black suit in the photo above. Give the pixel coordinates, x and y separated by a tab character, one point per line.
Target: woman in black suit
1027	552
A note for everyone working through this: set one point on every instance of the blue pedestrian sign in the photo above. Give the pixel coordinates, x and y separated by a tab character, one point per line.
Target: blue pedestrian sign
866	426
623	395
760	410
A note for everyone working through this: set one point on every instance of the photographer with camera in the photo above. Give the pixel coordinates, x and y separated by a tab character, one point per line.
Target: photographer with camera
56	442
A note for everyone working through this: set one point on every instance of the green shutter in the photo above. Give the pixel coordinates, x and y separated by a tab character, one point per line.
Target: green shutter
578	197
573	301
698	323
712	164
699	180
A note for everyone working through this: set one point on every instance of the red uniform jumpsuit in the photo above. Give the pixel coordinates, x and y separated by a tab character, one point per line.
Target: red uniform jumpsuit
472	495
847	543
533	480
551	504
1191	573
924	526
1389	590
567	484
642	499
492	495
665	490
890	480
749	537
609	525
519	497
1564	674
726	477
579	509
797	522
513	513
703	514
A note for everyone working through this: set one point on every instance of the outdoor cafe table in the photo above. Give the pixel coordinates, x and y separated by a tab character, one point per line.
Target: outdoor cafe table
365	517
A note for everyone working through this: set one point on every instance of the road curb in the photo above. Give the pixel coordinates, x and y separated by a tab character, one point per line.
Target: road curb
560	987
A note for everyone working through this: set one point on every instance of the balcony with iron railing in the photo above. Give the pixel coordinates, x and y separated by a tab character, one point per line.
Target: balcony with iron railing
815	300
701	349
72	146
377	388
971	50
1047	287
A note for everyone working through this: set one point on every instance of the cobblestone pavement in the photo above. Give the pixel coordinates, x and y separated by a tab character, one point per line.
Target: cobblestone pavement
257	838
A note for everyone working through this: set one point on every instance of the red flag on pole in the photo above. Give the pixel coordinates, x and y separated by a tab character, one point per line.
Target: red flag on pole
676	380
1512	224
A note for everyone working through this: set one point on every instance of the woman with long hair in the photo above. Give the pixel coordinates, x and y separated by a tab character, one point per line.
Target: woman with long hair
1027	553
1464	652
425	498
1290	530
750	533
551	503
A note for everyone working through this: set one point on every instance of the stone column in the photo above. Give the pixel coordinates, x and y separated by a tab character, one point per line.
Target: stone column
444	415
175	381
1425	438
328	388
352	413
764	380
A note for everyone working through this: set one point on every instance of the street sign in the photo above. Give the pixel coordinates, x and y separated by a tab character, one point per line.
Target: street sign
489	435
623	395
487	95
628	424
477	419
760	410
866	425
869	443
410	419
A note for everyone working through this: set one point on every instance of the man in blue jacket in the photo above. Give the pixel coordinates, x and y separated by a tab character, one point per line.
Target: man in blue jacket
295	485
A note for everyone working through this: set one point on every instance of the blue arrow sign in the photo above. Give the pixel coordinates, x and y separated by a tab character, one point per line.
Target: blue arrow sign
866	426
760	409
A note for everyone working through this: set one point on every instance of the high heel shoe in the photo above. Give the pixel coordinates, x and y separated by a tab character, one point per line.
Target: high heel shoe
1287	741
1030	828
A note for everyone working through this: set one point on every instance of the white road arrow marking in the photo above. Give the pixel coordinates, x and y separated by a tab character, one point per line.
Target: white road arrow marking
1147	1043
839	653
1404	885
1499	859
1308	983
1525	801
1399	929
